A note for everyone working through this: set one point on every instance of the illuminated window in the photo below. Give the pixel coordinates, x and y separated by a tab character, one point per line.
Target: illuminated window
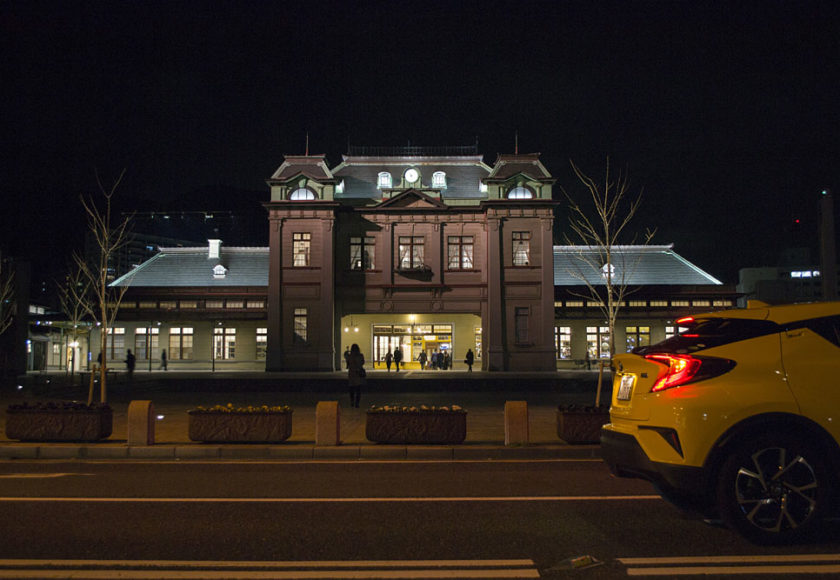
679	303
340	187
521	248
115	344
659	303
181	343
520	193
722	303
460	250
411	252
563	342
301	193
146	342
255	304
637	336
482	187
235	304
637	303
362	253
167	304
224	343
301	325
703	303
301	242
439	180
262	343
598	341
384	180
214	304
188	304
574	303
608	270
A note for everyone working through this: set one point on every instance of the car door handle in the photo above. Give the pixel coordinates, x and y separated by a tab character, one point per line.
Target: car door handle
795	333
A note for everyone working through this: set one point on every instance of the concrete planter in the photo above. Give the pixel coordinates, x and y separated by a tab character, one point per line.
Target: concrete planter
431	427
34	424
581	426
240	427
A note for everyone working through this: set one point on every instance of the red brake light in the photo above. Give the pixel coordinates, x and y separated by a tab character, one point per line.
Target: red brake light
679	369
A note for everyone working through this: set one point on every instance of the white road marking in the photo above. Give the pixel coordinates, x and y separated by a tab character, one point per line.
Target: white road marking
747	564
729	559
40	475
536	498
735	570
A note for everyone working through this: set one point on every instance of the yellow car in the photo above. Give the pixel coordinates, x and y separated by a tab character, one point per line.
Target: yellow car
738	415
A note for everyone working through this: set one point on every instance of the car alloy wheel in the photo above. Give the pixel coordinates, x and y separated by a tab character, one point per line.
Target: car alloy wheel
772	489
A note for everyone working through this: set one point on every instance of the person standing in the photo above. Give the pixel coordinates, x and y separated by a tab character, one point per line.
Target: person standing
421	358
129	364
469	359
347	357
356	374
397	357
163	359
388	358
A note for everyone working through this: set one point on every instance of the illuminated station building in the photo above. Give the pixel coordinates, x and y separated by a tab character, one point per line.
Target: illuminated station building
425	249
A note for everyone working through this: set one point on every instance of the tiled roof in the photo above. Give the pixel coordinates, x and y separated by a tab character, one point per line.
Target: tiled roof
176	267
642	265
312	166
463	174
528	164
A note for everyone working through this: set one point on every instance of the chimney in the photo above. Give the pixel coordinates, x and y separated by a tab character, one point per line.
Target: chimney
214	250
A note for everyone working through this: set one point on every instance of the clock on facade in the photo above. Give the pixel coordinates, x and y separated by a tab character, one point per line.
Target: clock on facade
411	175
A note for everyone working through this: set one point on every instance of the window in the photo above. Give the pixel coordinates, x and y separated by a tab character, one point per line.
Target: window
521	325
384	180
301	325
574	303
679	303
520	193
340	187
637	336
411	252
637	303
598	341
301	194
608	271
439	180
188	304
167	305
255	304
563	341
460	252
115	344
213	304
702	303
301	242
224	343
521	248
235	304
146	343
478	342
362	253
659	303
262	343
180	343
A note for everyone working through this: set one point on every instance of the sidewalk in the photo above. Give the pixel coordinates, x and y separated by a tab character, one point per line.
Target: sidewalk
485	419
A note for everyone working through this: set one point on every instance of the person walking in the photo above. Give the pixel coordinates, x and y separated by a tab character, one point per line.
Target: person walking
397	357
388	358
163	359
347	357
130	361
356	374
421	358
469	359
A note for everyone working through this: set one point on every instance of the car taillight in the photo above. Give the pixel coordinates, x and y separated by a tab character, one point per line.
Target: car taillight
682	369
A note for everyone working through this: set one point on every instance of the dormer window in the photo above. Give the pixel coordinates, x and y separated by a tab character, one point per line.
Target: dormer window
340	187
520	193
439	180
219	271
384	181
482	187
301	193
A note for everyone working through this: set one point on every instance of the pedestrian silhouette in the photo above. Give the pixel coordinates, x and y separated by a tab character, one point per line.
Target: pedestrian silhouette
355	374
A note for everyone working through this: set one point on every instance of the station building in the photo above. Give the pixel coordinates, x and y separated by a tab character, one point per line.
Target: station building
425	249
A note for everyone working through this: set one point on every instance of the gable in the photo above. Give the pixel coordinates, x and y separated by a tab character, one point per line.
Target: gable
412	199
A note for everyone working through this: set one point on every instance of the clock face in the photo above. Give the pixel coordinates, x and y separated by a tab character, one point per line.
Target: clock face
411	175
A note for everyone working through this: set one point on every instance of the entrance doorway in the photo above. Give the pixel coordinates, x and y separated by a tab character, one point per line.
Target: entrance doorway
412	340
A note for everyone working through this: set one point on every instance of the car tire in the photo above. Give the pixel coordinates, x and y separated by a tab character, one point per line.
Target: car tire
773	489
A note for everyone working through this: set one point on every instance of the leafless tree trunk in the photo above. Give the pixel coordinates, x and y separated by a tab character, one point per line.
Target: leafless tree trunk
75	297
105	300
599	232
8	304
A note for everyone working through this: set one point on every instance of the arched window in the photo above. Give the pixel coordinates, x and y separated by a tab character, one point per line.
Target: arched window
301	193
520	193
439	179
384	180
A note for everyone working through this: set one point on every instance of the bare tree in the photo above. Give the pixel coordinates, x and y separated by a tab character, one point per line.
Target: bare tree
96	274
8	304
599	230
74	295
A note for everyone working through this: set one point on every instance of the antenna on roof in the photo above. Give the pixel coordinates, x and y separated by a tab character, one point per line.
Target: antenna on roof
516	142
307	143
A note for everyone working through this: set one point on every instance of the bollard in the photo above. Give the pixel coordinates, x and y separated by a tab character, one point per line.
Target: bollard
141	423
327	423
516	423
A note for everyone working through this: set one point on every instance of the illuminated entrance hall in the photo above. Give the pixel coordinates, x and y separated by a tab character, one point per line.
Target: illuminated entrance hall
429	334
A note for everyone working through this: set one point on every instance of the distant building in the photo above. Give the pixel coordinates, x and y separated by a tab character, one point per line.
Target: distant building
425	249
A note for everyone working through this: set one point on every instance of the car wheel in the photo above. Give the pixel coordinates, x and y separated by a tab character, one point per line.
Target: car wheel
773	489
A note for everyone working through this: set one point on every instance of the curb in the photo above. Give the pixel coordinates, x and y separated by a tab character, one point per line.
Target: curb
200	452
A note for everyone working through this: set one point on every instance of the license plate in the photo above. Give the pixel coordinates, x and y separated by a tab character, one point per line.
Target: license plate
625	389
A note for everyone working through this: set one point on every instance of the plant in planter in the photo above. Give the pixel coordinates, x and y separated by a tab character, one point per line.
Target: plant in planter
229	424
581	423
59	421
404	424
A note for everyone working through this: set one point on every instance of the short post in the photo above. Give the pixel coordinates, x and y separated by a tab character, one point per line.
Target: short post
141	423
327	423
516	423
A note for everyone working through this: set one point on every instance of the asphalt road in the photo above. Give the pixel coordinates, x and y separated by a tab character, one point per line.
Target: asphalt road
363	519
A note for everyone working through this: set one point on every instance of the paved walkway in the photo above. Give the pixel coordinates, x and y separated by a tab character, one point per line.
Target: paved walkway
485	418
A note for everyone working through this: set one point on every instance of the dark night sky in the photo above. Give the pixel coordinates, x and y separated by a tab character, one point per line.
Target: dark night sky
726	113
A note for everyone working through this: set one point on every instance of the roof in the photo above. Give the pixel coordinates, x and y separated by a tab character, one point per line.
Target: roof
174	267
527	164
642	266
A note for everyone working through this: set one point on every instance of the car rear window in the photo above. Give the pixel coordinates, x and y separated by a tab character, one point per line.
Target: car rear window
706	333
828	327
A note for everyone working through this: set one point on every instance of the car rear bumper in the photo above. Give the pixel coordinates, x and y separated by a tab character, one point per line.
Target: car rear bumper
626	458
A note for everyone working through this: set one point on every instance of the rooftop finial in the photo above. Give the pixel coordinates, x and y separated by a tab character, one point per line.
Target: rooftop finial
516	142
307	143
